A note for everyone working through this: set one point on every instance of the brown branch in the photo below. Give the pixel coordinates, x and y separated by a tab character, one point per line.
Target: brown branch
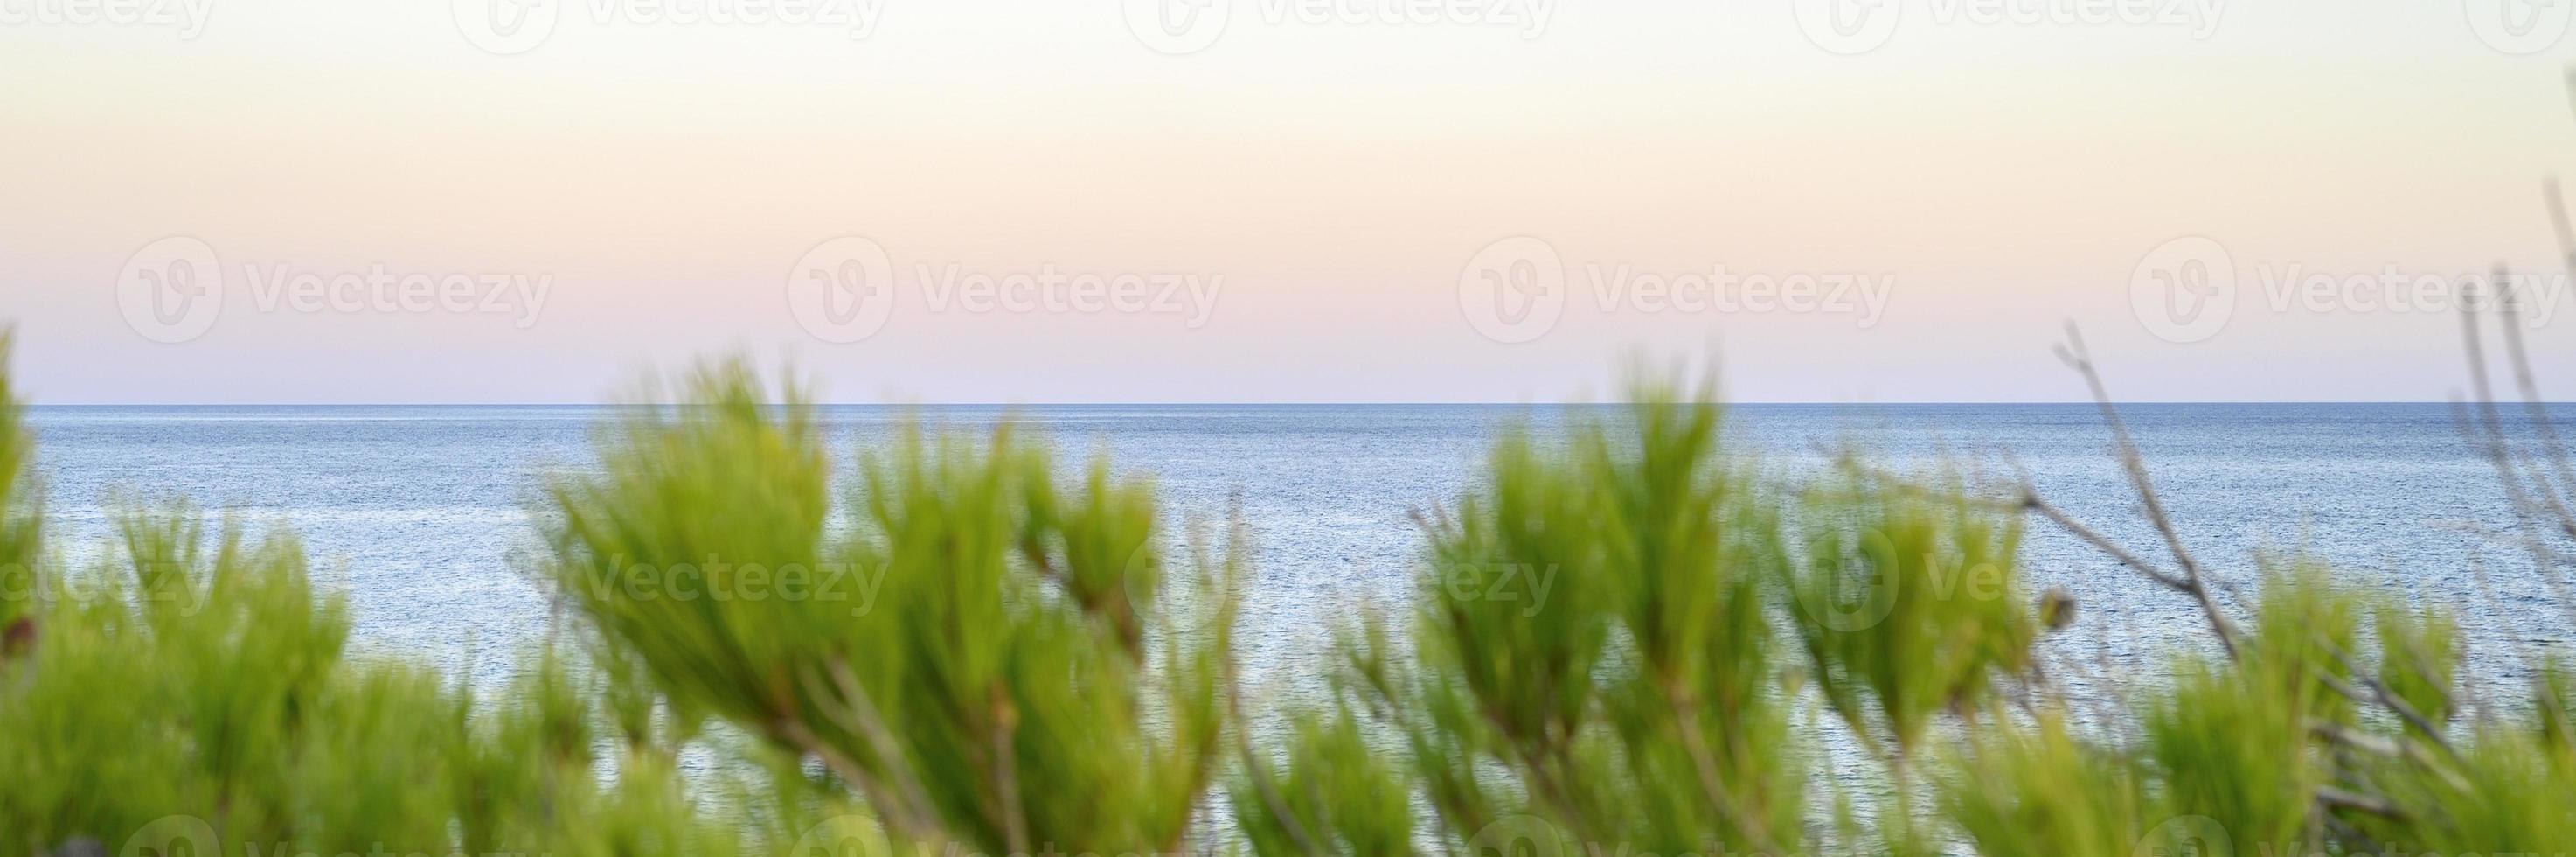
2485	420
2380	694
2356	841
2348	737
1686	720
2550	494
2551	444
2373	804
904	800
2026	497
2031	500
2481	421
2080	359
1006	769
1259	770
897	817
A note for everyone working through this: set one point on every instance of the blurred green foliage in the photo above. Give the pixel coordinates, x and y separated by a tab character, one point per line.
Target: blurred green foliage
1629	637
1592	648
21	514
1910	605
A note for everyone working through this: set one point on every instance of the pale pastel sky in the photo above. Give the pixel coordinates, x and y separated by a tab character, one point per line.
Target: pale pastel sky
1365	200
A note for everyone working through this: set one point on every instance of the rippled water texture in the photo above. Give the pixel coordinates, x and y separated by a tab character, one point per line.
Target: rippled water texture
420	513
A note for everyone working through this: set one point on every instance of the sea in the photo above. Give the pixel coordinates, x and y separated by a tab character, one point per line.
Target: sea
422	515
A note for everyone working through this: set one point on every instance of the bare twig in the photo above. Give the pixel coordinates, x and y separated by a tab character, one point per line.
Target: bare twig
2031	500
1259	771
2549	496
904	801
2552	446
2373	804
2482	423
2077	357
1686	717
2025	496
1006	769
2380	694
2345	832
898	818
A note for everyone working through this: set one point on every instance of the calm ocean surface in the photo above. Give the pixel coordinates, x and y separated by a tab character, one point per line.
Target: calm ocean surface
419	513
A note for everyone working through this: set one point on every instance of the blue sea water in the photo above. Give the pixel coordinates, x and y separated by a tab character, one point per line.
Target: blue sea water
421	513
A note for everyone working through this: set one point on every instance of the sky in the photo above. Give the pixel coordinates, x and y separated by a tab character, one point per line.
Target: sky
480	201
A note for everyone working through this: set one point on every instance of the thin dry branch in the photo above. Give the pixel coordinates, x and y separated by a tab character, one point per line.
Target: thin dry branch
2380	694
1258	770
2339	799
2553	448
2544	496
2481	422
2024	496
2031	500
2077	357
1721	798
904	802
